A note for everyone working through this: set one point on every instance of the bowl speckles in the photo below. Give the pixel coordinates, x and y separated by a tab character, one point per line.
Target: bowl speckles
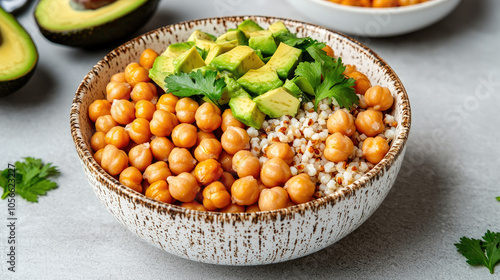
243	238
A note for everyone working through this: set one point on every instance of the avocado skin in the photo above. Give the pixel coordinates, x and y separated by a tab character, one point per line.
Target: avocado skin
8	87
105	33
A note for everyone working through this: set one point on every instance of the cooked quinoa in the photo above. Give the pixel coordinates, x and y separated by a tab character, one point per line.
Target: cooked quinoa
306	134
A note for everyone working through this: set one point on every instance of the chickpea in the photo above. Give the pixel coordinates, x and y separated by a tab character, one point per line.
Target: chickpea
273	199
113	161
341	121
202	135
143	91
185	109
408	2
233	208
375	149
99	108
229	120
118	137
328	50
180	160
140	156
138	130
226	161
280	150
122	111
208	148
144	109
118	77
116	90
132	178
253	208
208	171
135	73
370	122
365	3
379	98
245	191
227	180
98	141
147	58
105	123
235	139
362	82
184	135
156	172
208	117
167	102
362	102
98	156
246	164
216	196
300	188
161	148
163	123
338	147
193	205
349	68
275	172
183	187
383	3
159	191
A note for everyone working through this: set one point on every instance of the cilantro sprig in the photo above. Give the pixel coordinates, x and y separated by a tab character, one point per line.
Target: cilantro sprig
481	252
311	46
334	84
30	179
195	83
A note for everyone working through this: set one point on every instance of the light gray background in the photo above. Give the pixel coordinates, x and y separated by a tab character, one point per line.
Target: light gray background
446	190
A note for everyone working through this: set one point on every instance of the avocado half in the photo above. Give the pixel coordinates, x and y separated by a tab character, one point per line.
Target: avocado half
61	23
18	54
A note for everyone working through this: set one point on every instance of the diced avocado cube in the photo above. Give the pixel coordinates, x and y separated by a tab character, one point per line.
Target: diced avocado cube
174	50
285	60
278	28
217	50
304	85
248	26
259	81
197	35
246	111
237	61
293	88
278	102
236	37
264	41
188	61
162	67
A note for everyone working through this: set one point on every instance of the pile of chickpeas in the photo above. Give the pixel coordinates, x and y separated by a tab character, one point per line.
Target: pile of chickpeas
193	155
378	3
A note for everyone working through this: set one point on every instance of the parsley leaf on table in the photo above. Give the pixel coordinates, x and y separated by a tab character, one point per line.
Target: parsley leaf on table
334	85
498	198
30	179
474	250
194	83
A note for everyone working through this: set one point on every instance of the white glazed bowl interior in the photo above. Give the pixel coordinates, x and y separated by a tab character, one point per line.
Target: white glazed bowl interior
243	238
374	22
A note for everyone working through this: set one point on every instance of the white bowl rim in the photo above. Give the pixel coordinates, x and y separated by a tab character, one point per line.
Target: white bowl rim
379	11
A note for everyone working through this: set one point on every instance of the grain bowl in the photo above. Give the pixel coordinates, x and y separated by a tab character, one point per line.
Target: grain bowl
242	238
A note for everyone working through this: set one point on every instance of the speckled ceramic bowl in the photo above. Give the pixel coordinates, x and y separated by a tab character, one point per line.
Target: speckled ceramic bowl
244	238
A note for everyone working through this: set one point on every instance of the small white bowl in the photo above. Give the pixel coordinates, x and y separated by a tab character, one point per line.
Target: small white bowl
374	22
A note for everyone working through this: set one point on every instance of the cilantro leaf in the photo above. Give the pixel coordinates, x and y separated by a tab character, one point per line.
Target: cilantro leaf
474	250
334	85
195	83
498	198
30	179
203	52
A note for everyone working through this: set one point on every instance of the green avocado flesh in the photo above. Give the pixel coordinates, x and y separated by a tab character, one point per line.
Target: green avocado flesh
18	54
253	88
61	23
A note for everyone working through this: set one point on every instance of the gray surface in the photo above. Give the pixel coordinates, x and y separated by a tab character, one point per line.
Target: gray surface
446	190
